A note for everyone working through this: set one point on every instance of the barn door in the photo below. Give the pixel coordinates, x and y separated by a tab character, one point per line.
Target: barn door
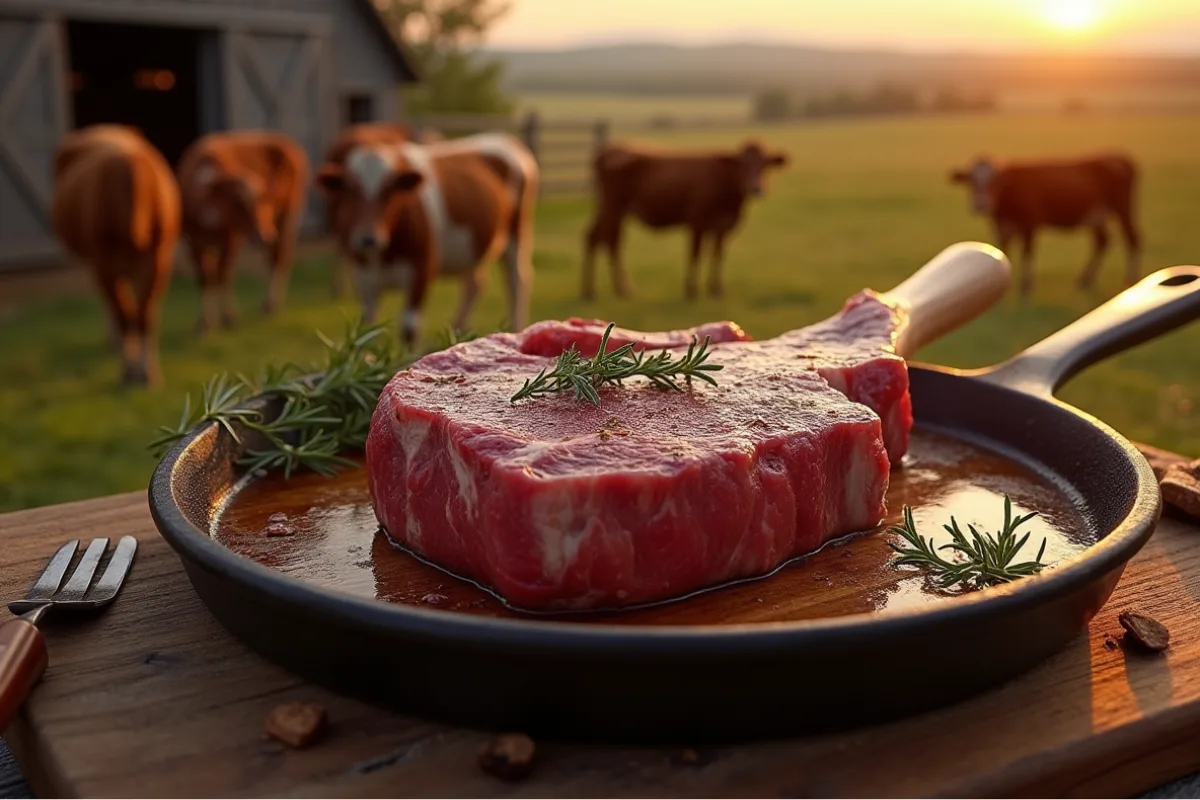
280	81
33	116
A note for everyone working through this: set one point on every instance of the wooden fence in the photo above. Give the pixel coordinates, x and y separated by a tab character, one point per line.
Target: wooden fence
563	149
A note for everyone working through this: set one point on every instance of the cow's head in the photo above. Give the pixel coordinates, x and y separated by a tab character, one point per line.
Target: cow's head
978	176
753	162
236	202
373	187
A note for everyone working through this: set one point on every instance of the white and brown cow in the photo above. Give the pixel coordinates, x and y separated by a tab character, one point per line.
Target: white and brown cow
443	209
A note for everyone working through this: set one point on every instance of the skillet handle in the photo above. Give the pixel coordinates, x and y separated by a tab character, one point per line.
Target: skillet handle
1158	303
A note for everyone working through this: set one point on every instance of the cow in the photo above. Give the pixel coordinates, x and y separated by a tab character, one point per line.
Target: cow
702	191
235	186
411	212
447	208
1023	196
116	207
366	133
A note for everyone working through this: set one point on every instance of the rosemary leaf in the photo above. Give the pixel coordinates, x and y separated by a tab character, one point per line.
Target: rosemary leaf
326	410
976	561
584	376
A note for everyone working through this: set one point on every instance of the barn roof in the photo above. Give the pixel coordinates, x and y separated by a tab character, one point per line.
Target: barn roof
405	63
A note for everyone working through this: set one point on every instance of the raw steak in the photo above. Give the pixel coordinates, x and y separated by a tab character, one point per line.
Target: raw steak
551	337
854	350
557	504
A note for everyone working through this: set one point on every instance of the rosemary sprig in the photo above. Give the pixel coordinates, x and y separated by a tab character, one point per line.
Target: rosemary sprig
982	559
583	376
326	410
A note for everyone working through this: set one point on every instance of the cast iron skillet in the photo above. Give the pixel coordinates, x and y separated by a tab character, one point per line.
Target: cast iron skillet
723	683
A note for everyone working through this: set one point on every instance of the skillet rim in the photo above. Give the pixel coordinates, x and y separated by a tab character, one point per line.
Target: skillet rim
1113	550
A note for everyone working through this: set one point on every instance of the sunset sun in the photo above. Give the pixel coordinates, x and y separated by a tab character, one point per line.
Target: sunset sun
1071	15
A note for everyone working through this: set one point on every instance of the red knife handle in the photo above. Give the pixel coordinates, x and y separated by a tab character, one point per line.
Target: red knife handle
23	659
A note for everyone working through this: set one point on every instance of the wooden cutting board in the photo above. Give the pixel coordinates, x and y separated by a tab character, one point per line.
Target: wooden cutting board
153	698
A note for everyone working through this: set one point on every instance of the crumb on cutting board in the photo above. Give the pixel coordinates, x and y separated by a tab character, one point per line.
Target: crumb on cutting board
297	724
508	756
1145	631
1180	484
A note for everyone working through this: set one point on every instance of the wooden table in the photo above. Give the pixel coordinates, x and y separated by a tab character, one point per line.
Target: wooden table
154	698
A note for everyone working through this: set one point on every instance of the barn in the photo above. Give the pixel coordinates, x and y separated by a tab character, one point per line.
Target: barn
178	69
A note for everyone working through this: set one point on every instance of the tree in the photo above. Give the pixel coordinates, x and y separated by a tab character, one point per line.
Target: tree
772	105
440	35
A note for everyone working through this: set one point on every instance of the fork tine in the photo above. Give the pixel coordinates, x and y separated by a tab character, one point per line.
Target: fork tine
77	585
52	576
114	575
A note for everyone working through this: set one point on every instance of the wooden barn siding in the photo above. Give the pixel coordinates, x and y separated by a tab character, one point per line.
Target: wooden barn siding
356	62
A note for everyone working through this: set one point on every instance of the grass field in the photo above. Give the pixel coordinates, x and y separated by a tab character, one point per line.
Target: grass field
862	205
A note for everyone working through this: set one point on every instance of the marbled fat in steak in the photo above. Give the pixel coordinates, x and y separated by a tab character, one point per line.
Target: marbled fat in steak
557	504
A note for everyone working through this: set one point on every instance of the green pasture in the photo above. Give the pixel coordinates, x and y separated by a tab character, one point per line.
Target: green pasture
863	204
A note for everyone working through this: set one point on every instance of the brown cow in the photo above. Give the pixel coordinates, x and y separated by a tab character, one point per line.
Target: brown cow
447	208
703	191
238	185
116	206
1021	197
366	133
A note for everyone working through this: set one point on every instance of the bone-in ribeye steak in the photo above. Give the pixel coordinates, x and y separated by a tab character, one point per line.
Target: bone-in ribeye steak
854	351
557	504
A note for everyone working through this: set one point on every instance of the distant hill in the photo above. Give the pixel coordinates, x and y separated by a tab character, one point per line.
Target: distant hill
748	67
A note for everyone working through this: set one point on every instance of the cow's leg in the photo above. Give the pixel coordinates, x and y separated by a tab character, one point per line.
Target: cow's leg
281	254
157	274
410	325
368	276
691	279
605	232
716	284
620	278
1133	245
118	296
473	283
205	260
226	261
1099	247
1026	262
343	267
518	262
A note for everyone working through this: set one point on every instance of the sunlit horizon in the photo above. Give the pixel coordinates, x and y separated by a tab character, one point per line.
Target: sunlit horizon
1149	27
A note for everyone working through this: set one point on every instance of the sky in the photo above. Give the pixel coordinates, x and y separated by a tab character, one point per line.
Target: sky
1136	26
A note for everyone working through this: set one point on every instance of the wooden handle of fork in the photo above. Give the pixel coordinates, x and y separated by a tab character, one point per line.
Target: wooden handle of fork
22	661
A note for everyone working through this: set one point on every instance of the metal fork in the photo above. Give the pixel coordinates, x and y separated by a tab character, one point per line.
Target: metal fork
22	648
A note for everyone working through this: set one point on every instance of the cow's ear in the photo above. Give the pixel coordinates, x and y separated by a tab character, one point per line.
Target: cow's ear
331	178
407	181
959	176
779	159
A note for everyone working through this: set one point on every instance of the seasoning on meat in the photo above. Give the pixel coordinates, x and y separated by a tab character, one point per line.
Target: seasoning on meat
854	350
